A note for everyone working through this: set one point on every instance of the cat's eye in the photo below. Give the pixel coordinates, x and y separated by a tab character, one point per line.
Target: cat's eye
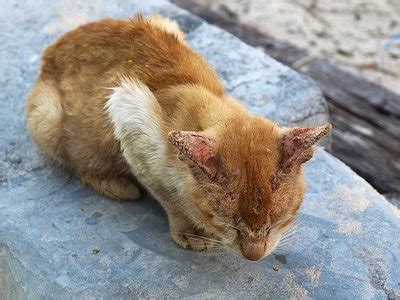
236	229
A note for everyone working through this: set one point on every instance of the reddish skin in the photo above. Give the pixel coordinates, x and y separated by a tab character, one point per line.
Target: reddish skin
296	141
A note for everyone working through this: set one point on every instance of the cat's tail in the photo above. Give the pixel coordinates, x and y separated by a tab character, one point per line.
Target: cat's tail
170	26
44	117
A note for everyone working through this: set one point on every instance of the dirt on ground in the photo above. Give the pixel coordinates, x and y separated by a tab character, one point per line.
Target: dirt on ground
360	36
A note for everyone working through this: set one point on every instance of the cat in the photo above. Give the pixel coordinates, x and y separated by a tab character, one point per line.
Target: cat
128	101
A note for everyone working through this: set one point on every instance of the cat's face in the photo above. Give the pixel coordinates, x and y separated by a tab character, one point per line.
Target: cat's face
252	219
248	181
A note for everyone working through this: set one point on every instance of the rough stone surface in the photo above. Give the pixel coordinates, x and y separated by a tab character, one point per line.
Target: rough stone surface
59	239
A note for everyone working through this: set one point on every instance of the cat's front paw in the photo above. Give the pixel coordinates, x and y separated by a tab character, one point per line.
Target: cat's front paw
194	241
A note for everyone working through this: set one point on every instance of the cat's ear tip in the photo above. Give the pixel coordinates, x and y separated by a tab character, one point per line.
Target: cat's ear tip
323	129
173	135
326	127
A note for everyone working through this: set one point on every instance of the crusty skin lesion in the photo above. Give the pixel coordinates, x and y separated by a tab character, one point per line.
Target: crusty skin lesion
127	101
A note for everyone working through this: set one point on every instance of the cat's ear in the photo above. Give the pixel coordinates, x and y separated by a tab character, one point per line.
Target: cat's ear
295	141
201	150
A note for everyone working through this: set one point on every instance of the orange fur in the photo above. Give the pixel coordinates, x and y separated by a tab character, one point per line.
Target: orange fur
109	96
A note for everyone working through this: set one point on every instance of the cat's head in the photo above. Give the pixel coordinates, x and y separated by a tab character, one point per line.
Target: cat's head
248	183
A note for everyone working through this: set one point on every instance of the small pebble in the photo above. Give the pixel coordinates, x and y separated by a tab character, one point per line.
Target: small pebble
276	268
344	52
368	64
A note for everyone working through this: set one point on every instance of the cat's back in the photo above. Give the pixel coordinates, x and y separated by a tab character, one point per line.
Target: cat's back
151	49
66	113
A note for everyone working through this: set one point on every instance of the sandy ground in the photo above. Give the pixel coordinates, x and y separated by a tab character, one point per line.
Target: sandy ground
360	36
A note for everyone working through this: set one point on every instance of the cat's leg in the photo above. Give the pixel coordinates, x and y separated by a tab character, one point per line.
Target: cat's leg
119	188
135	114
44	117
186	235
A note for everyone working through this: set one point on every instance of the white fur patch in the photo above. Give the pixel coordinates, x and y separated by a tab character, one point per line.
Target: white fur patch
168	25
131	108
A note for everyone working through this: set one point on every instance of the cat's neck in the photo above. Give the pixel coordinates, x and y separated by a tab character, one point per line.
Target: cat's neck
193	107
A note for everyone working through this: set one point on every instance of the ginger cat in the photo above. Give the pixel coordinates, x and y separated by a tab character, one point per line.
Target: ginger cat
126	101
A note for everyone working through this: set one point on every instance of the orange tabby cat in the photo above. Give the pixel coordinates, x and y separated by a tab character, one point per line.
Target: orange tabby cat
124	100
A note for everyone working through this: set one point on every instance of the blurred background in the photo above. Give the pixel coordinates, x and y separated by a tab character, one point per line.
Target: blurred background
351	48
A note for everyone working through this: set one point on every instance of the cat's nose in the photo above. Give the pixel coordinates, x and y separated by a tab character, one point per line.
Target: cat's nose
253	250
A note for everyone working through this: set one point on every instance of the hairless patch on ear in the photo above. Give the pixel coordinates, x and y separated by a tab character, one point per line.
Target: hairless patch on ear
201	150
192	145
297	140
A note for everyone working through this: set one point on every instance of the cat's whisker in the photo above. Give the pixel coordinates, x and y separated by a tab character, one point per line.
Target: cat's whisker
298	223
288	244
294	234
295	223
234	251
296	220
226	248
291	238
229	240
277	251
294	229
229	249
280	246
195	221
288	241
218	248
228	225
195	236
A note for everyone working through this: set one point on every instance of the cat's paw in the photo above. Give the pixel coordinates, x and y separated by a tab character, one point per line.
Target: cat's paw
194	241
200	243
